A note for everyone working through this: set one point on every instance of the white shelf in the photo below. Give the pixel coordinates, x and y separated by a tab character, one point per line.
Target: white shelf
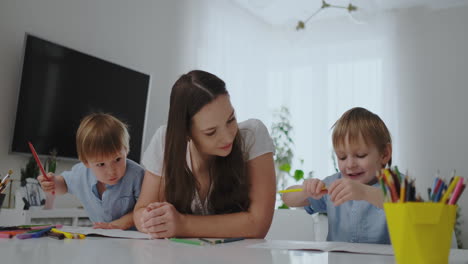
66	216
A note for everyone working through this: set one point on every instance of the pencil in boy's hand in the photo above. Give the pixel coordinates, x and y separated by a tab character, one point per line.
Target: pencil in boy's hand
298	190
39	164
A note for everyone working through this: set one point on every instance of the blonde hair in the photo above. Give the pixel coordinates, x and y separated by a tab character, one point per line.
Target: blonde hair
358	122
101	135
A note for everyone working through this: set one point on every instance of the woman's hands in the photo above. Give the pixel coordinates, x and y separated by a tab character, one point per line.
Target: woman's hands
161	220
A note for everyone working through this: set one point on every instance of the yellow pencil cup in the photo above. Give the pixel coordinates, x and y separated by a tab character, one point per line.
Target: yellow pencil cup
420	232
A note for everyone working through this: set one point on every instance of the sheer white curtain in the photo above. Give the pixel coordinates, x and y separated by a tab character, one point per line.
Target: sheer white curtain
318	74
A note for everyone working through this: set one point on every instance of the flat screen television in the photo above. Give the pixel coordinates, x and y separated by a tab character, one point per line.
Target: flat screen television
59	86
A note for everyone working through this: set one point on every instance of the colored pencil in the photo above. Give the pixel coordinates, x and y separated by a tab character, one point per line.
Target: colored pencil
450	189
456	192
38	161
298	190
403	191
39	164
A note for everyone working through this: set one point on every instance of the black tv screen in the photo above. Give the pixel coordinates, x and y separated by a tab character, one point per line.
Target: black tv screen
59	86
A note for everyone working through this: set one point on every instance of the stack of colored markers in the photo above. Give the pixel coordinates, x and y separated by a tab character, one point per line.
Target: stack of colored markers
36	231
399	188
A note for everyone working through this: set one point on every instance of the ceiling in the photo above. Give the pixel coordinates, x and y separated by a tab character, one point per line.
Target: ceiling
288	12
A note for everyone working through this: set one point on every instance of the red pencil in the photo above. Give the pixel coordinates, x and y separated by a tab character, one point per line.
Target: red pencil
39	164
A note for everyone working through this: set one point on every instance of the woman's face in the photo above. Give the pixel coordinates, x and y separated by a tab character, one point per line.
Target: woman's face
214	127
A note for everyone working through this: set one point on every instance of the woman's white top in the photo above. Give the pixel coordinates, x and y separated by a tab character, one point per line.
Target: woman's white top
256	139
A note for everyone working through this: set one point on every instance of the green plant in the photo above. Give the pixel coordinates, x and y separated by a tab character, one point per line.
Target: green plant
51	162
31	170
281	132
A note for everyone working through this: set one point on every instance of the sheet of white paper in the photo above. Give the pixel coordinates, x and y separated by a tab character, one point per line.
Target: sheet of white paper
117	233
327	246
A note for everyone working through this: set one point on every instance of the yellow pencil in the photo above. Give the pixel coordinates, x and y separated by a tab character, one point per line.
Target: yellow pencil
449	190
297	190
402	191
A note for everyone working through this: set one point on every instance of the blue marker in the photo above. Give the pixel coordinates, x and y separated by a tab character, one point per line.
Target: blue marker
37	234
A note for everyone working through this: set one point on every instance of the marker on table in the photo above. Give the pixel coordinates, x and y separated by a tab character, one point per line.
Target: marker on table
187	241
6	235
55	235
298	190
220	241
36	234
68	235
39	164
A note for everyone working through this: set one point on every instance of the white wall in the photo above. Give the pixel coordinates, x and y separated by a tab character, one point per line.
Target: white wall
431	66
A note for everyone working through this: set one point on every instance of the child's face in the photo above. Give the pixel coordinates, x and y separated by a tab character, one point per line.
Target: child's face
109	170
214	127
359	161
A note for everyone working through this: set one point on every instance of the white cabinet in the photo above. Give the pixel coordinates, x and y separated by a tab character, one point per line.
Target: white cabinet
36	216
297	224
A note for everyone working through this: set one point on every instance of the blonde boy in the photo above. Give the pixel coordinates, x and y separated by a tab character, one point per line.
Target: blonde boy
353	201
105	181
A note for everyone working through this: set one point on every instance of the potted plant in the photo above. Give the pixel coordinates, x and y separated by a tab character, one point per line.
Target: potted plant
50	166
281	133
30	192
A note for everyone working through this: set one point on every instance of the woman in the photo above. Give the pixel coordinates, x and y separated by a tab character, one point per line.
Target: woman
207	175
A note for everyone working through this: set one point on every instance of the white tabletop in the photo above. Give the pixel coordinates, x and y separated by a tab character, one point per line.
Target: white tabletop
126	251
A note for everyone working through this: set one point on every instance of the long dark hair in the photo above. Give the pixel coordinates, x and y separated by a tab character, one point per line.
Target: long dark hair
228	175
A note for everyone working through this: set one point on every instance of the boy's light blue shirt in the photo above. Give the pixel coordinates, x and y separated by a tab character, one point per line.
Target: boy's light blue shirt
352	221
117	200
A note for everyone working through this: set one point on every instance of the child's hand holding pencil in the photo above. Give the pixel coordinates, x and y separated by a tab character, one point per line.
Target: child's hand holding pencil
47	182
314	188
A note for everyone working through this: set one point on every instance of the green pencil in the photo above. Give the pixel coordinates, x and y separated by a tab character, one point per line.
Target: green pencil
186	241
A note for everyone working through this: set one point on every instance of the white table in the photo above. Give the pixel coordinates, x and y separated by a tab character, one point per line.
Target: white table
129	251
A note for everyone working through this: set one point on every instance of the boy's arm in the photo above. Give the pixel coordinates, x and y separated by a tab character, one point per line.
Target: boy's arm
374	196
344	190
295	199
60	185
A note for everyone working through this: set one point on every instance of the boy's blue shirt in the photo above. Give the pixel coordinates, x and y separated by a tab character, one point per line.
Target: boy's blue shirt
352	221
117	200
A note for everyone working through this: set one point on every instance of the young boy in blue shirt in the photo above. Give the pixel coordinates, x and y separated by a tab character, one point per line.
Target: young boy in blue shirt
105	181
354	200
